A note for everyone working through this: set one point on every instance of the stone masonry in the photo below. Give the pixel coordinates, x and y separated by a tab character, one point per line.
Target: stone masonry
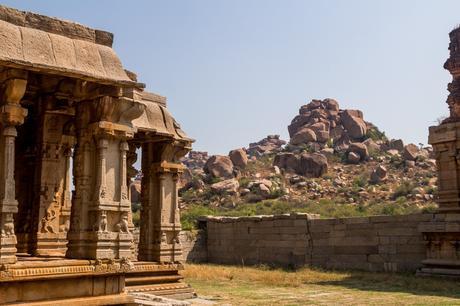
377	243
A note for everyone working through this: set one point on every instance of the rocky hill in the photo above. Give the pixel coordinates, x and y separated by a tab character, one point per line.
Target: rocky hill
335	164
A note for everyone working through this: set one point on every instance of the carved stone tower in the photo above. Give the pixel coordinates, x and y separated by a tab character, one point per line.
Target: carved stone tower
442	235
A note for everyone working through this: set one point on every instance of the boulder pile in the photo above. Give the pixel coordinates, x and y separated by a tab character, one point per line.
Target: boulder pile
322	122
195	159
305	164
220	166
268	145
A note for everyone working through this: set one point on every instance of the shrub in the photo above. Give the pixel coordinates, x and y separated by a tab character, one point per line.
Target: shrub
361	180
136	218
244	181
403	190
375	134
190	216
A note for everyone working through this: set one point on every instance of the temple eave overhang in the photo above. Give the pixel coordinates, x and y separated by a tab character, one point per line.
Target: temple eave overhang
36	50
62	72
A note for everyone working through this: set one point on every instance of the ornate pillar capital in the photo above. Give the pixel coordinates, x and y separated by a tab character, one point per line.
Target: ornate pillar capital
12	114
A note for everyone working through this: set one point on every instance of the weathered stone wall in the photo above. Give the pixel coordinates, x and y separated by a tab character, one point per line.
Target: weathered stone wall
194	248
377	243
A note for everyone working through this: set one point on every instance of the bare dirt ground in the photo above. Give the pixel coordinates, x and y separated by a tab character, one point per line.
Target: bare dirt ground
226	285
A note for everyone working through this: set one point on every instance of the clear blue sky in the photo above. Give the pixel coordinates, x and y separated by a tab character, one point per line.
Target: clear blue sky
237	70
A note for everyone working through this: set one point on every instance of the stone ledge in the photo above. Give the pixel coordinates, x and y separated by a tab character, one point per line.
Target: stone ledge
55	26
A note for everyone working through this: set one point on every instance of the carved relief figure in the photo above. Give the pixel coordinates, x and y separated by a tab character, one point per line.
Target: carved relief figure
50	215
101	223
122	226
65	226
163	237
103	193
8	225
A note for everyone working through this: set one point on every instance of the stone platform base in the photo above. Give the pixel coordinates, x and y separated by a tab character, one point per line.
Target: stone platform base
441	268
158	279
57	281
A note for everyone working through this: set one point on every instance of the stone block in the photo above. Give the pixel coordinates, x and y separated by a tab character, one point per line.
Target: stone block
293	237
283	223
320	228
382	219
339	227
452	226
376	258
452	217
264	223
320	242
335	234
420	217
321	235
352	226
411	248
352	250
301	244
434	226
322	251
356	220
321	222
407	240
290	230
355	241
387	249
361	233
300	222
395	231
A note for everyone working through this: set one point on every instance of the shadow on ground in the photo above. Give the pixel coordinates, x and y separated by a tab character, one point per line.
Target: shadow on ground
398	283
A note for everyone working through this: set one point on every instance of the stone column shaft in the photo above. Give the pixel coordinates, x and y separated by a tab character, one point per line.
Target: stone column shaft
102	230
11	115
160	220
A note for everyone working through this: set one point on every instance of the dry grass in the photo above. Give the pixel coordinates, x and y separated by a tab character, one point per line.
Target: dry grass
262	275
262	286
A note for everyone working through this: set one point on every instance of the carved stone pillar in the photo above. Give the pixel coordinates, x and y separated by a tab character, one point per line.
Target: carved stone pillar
52	203
160	216
11	115
100	209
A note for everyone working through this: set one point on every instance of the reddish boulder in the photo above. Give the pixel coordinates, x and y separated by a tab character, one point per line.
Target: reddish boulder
331	104
287	161
239	158
397	144
304	135
378	175
229	186
410	152
219	166
353	123
353	158
360	149
312	165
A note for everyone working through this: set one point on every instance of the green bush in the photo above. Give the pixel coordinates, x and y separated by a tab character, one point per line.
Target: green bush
190	216
136	218
403	190
361	181
375	134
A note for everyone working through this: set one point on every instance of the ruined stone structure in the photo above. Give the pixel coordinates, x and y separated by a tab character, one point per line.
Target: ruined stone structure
443	239
376	243
67	104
